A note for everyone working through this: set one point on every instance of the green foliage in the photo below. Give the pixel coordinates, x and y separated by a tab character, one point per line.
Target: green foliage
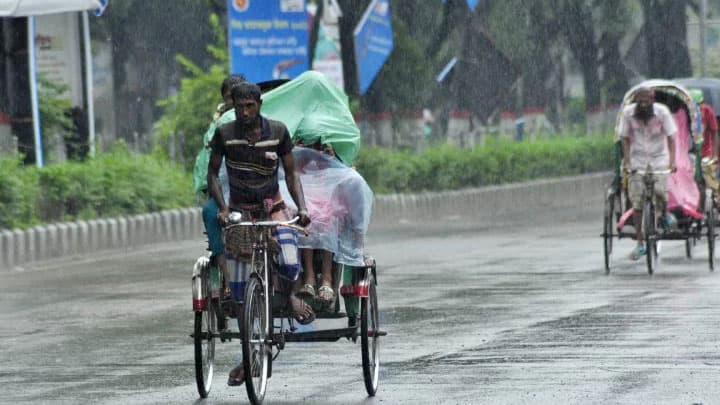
402	84
189	112
114	183
54	104
448	168
18	193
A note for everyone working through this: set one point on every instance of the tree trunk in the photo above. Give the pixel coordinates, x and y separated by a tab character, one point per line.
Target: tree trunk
666	38
352	13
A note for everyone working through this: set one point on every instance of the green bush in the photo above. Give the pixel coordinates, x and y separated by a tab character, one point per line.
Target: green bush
18	194
119	182
447	168
114	183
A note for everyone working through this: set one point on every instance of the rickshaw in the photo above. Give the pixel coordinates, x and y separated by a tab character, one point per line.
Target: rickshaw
696	216
264	323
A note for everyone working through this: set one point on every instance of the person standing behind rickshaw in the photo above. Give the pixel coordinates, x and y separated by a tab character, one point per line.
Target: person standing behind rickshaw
647	133
710	138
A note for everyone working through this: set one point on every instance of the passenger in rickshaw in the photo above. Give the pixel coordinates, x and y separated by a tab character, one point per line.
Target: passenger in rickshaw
339	202
224	113
709	150
338	199
683	187
647	133
325	292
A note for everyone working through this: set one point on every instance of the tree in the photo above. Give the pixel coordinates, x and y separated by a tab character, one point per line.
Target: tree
188	113
666	38
576	21
614	16
145	37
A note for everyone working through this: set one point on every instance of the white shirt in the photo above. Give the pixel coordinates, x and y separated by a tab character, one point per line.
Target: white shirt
648	143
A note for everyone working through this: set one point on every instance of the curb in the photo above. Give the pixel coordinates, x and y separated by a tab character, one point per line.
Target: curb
482	204
18	247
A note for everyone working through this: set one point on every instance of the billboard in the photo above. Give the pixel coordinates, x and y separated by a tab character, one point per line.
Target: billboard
268	39
373	42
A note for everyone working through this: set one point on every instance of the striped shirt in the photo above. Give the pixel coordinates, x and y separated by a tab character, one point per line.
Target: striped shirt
252	166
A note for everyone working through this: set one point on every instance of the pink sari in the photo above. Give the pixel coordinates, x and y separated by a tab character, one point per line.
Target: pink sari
683	192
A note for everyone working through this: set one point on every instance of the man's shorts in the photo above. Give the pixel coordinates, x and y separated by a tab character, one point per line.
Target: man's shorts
636	186
709	176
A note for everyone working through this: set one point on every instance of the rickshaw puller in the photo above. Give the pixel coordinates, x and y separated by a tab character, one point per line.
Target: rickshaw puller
252	146
647	132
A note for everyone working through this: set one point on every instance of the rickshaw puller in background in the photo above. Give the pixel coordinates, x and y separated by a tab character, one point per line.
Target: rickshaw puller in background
647	132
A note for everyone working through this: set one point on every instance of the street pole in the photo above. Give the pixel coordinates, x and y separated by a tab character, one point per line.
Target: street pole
89	83
703	13
32	67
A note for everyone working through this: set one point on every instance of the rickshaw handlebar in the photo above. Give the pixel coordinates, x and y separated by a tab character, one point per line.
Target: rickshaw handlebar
236	221
644	172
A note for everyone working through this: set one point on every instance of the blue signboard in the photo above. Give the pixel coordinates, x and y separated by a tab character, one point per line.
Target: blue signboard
373	42
268	38
101	9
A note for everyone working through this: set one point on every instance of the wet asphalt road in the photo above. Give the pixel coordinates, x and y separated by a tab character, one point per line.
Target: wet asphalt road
490	314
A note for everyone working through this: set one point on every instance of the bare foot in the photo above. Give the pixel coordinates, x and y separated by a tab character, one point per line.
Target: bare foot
302	312
237	376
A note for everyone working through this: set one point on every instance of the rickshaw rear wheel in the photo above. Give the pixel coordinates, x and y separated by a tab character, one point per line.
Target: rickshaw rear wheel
608	218
370	338
256	343
203	336
711	218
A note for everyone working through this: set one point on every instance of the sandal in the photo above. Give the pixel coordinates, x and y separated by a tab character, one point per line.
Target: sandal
307	290
638	252
326	294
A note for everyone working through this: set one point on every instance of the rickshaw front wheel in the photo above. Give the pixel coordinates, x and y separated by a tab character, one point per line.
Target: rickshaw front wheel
256	341
370	338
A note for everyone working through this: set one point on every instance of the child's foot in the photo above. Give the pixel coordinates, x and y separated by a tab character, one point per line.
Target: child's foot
326	294
307	290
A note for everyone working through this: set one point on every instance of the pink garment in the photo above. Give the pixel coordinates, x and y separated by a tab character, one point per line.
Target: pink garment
682	190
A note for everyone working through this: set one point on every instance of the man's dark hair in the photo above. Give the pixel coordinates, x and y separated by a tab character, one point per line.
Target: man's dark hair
246	90
229	82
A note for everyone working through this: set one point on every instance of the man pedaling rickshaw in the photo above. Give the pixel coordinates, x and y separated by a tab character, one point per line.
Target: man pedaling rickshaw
647	133
252	147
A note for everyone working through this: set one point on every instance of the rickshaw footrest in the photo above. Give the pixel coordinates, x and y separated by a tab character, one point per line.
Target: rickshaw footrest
327	335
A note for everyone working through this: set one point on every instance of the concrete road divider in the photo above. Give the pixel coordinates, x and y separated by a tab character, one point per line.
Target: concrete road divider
490	203
83	238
